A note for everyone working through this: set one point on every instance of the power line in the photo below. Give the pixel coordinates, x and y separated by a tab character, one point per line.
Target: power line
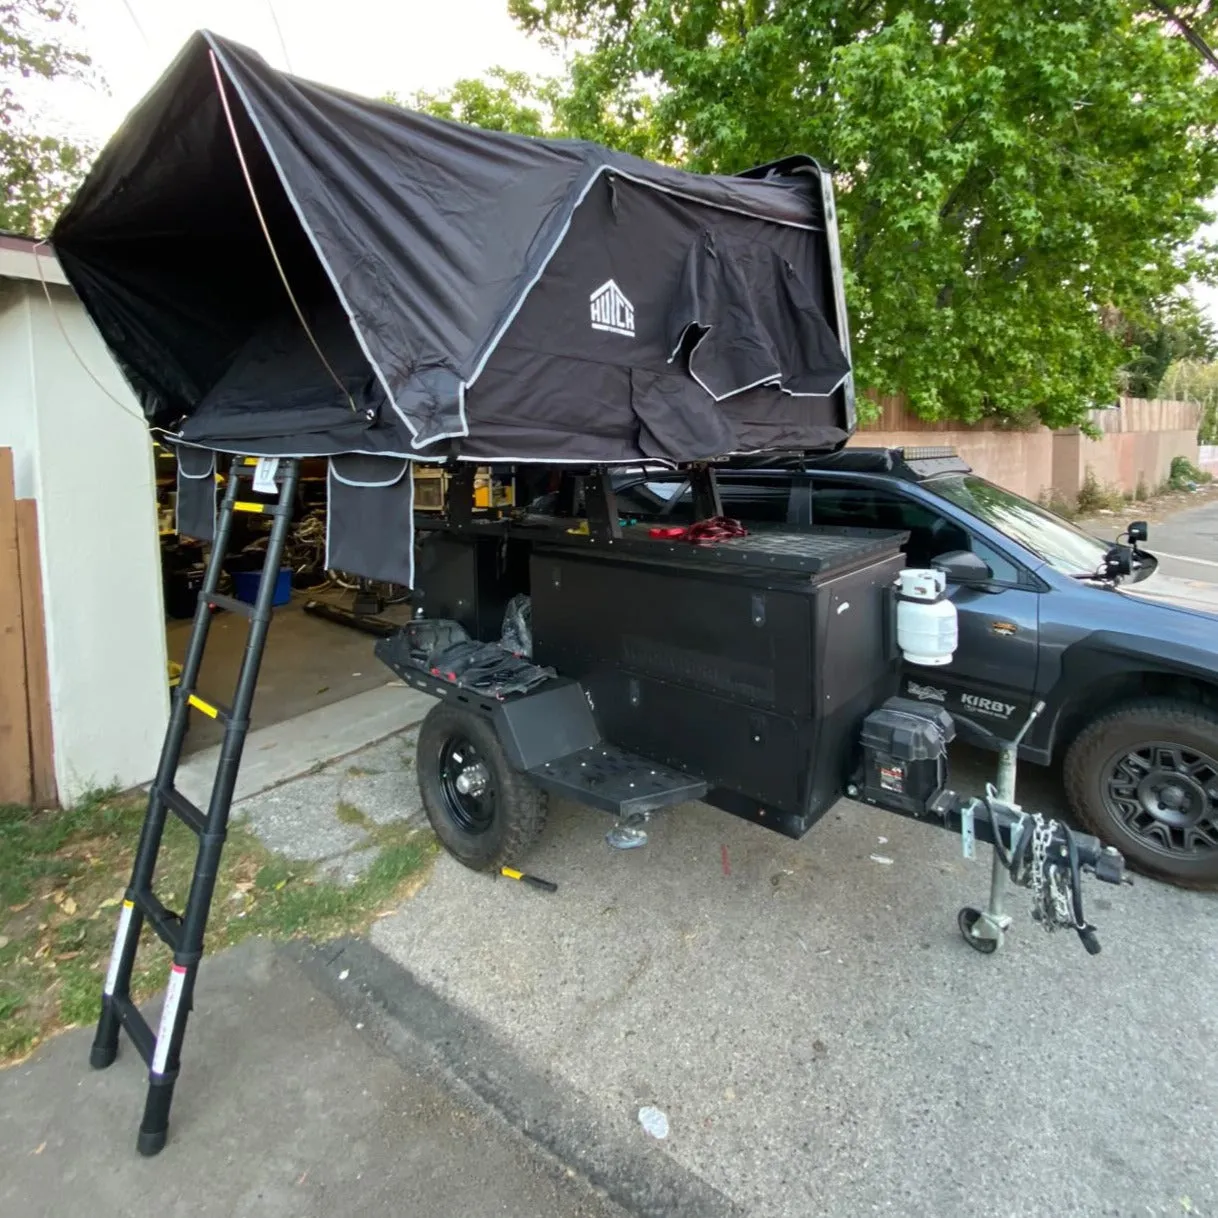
283	46
136	22
1189	33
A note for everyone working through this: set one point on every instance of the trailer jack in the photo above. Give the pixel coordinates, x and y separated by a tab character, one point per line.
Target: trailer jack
1028	850
1039	854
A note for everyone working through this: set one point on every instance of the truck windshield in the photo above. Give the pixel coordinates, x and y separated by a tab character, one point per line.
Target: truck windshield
1062	545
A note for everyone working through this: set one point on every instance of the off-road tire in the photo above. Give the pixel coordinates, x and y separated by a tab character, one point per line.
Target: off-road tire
520	808
1088	763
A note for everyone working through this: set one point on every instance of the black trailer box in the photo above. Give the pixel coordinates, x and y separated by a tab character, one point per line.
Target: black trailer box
749	675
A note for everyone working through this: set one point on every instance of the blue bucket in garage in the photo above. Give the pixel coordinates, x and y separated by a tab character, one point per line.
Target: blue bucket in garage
245	586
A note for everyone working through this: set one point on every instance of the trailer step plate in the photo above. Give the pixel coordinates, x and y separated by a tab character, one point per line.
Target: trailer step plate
612	779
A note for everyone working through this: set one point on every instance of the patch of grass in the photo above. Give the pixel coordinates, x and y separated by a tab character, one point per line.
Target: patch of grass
62	878
360	771
349	814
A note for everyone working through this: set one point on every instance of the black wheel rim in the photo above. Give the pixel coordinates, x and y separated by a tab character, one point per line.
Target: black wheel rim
465	782
1166	795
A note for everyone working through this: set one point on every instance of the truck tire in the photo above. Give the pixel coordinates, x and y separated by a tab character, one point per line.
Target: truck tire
485	813
1144	777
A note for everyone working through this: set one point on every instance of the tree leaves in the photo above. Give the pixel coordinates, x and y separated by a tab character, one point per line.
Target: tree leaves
38	169
1009	173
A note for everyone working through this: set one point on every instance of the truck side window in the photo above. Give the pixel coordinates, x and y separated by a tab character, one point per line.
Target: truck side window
930	534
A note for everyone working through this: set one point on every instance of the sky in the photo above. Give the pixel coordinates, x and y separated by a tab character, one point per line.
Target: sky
367	46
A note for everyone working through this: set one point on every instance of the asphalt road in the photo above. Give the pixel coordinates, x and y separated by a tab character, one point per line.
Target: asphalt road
819	1036
1187	542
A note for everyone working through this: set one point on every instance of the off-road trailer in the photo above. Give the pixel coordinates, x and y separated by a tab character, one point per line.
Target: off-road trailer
286	271
758	673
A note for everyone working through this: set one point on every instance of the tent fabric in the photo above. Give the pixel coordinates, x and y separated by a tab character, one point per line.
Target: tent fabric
753	321
370	517
195	500
474	294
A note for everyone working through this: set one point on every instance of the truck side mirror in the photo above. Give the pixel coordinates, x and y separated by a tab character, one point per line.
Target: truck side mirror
963	567
1138	531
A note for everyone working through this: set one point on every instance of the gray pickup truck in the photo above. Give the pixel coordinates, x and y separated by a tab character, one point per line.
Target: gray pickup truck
1124	657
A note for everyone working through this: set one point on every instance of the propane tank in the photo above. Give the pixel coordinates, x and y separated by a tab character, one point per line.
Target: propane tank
926	619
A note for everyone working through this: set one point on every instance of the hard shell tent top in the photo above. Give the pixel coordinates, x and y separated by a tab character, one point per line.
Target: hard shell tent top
282	268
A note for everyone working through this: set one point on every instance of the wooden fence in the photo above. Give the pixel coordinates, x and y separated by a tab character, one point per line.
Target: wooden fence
27	770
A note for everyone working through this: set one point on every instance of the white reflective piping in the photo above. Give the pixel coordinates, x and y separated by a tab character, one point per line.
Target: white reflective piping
300	216
775	380
209	472
828	392
352	482
731	393
449	435
329	513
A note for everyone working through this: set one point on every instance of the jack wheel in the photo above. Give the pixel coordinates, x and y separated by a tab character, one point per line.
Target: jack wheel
966	919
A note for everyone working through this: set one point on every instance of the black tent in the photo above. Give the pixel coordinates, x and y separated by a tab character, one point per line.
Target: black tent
282	268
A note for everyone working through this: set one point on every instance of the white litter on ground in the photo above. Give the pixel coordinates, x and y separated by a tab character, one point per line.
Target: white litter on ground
653	1121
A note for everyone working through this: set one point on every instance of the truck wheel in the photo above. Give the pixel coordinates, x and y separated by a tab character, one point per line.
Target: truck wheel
485	813
1144	778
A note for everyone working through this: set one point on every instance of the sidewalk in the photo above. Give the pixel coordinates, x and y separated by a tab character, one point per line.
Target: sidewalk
284	1110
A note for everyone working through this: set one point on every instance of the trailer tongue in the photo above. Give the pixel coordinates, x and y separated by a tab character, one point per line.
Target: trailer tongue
285	271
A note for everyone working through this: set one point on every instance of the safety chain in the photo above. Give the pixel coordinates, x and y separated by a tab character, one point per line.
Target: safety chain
1052	905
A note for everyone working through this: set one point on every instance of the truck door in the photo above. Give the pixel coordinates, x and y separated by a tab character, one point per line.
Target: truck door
989	685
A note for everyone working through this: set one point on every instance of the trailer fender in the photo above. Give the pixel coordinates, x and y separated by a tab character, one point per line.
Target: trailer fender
553	722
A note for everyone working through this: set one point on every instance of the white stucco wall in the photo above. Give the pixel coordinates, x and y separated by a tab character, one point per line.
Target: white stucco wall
88	462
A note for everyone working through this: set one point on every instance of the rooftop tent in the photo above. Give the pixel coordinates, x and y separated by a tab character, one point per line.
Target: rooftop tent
451	280
282	268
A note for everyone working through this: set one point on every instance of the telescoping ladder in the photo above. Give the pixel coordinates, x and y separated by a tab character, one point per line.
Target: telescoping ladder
184	932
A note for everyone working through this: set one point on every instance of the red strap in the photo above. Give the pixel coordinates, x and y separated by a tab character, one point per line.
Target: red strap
705	532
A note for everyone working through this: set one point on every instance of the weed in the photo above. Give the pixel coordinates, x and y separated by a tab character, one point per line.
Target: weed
1056	502
1185	476
1094	497
1141	492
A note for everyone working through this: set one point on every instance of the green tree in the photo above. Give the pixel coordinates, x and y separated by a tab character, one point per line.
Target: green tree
1181	331
38	170
499	101
1010	173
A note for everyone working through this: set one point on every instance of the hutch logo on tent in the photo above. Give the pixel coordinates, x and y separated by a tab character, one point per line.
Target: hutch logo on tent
611	310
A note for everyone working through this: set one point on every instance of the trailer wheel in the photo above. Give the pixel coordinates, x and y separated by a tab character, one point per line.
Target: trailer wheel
485	813
966	919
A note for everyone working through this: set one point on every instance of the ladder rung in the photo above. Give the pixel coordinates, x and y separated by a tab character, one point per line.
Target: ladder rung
218	601
142	1036
166	923
265	509
184	810
213	710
